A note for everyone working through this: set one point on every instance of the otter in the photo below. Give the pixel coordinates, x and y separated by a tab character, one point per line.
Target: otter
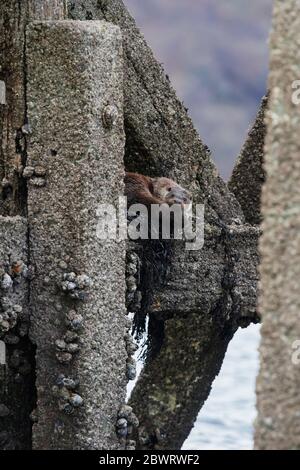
154	257
141	189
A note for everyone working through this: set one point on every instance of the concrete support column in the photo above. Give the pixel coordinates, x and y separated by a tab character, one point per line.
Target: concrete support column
75	163
278	398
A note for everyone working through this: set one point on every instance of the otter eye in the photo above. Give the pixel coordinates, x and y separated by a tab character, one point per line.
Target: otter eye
169	190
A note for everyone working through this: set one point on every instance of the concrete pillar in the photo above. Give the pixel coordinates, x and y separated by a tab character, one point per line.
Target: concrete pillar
278	385
75	162
14	16
16	353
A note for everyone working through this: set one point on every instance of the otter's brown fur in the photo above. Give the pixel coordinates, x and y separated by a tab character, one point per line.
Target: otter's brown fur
145	190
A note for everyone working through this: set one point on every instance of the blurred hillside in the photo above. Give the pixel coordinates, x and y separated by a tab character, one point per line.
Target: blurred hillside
216	55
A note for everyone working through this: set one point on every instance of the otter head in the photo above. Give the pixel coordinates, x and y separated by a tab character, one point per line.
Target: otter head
171	192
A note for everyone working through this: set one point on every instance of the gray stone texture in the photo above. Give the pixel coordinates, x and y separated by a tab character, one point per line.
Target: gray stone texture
17	374
248	175
75	70
14	16
278	384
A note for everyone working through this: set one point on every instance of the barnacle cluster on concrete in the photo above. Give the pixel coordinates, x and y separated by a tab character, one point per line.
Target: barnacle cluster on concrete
133	294
8	315
10	310
66	391
127	422
76	285
133	301
69	345
35	175
131	348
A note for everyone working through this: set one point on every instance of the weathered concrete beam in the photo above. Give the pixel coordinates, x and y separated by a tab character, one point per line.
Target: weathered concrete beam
17	355
161	138
232	253
278	398
75	162
14	16
248	174
207	295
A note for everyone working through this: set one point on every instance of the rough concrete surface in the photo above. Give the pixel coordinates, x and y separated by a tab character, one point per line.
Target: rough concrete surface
248	175
14	16
278	398
16	374
75	162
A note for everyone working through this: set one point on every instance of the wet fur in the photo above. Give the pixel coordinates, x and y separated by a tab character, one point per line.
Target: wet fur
155	254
